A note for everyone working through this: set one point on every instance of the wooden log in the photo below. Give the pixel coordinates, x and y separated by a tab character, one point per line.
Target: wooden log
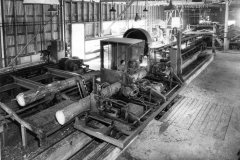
35	94
66	114
32	95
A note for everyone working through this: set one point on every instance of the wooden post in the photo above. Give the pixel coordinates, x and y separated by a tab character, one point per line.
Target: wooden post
2	57
26	28
51	25
213	40
62	24
43	30
70	28
15	29
2	136
34	27
24	136
226	45
100	19
83	19
179	54
127	17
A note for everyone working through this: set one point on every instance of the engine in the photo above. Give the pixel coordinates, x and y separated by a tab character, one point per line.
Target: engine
161	69
73	64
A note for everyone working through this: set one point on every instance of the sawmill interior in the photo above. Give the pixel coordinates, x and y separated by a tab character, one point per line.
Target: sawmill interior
119	79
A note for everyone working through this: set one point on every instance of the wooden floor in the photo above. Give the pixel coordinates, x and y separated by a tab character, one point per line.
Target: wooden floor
208	118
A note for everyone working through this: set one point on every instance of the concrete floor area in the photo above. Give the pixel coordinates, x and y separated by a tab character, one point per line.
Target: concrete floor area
218	83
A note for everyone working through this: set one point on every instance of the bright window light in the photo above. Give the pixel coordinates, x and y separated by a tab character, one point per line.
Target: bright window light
176	22
231	22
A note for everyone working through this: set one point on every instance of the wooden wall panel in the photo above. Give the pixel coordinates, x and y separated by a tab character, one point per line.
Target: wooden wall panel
22	22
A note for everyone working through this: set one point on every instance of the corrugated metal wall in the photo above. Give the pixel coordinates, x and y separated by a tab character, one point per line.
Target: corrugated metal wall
21	22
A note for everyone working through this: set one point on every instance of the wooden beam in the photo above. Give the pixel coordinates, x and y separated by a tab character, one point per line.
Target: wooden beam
100	19
15	29
93	13
26	28
24	136
34	27
70	28
127	17
88	10
51	24
64	23
83	20
43	29
4	33
77	12
1	42
58	23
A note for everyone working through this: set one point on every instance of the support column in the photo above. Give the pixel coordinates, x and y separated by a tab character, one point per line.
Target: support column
100	19
226	43
24	136
62	24
213	41
127	16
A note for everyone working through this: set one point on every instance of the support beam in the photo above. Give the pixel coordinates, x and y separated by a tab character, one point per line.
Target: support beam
226	44
127	16
66	74
26	83
100	19
24	134
62	24
2	57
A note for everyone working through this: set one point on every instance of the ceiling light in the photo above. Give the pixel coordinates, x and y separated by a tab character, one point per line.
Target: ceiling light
112	9
145	9
137	17
51	9
169	7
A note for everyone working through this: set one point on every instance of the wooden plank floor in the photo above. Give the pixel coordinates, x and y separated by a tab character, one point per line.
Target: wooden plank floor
210	119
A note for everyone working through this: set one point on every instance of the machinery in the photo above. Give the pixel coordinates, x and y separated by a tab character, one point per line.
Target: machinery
32	95
73	64
133	90
138	80
184	57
